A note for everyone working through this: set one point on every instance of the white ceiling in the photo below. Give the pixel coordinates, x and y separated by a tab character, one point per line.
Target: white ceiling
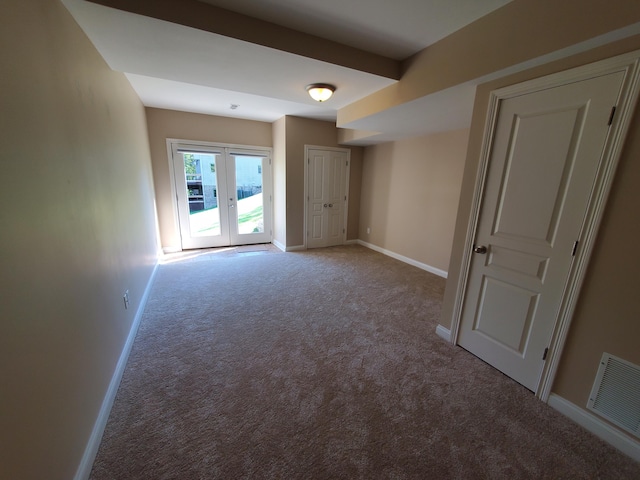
181	68
395	29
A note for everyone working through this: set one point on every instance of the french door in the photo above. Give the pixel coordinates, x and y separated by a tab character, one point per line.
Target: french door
223	194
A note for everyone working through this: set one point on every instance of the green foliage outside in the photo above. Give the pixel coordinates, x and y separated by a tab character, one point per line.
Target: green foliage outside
189	163
252	216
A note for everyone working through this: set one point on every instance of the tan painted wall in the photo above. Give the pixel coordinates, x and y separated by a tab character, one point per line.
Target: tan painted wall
301	132
78	228
606	318
520	31
410	191
355	192
608	313
279	181
165	124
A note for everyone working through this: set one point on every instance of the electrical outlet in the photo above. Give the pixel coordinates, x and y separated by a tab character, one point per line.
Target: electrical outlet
125	297
368	230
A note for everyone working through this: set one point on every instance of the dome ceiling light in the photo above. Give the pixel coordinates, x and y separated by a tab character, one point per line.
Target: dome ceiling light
320	92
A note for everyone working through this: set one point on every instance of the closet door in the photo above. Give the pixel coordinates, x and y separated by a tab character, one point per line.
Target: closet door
326	187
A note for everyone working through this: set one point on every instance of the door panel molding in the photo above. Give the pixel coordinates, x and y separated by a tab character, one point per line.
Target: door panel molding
629	66
334	227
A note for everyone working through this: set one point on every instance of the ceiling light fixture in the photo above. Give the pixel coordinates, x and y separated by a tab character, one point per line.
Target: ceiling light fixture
320	92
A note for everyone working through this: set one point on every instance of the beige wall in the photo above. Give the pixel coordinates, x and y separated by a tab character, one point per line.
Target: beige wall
279	181
165	124
355	192
78	229
409	198
301	132
287	136
606	318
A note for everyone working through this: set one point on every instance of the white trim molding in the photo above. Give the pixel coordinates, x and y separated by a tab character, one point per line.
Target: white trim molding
595	425
629	65
279	245
444	333
91	450
284	248
402	258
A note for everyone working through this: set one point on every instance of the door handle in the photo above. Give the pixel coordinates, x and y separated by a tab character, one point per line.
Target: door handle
325	205
480	249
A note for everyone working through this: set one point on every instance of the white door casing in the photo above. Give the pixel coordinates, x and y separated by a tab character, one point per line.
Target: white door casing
327	174
516	299
222	161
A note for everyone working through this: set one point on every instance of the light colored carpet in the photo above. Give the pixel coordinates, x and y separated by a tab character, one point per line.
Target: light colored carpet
323	364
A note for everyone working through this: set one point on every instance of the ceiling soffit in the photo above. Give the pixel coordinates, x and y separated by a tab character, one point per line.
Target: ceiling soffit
202	16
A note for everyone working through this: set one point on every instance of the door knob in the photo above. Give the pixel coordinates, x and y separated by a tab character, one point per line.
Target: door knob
480	249
325	205
330	205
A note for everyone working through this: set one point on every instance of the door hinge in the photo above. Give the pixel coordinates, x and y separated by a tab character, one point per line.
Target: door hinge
344	231
347	163
544	355
613	112
575	248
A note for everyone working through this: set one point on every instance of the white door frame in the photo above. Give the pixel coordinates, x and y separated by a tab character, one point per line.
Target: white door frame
170	142
306	187
630	65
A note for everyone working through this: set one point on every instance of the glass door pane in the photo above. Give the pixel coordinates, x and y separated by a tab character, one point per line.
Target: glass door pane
251	220
200	181
250	217
202	192
223	196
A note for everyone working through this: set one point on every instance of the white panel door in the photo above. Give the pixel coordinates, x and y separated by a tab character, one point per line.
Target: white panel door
201	193
545	156
326	186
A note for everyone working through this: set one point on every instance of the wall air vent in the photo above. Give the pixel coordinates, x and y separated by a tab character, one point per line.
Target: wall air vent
616	393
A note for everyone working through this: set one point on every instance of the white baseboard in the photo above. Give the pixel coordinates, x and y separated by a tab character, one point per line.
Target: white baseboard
598	427
84	469
351	242
402	258
443	333
171	249
284	248
279	245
